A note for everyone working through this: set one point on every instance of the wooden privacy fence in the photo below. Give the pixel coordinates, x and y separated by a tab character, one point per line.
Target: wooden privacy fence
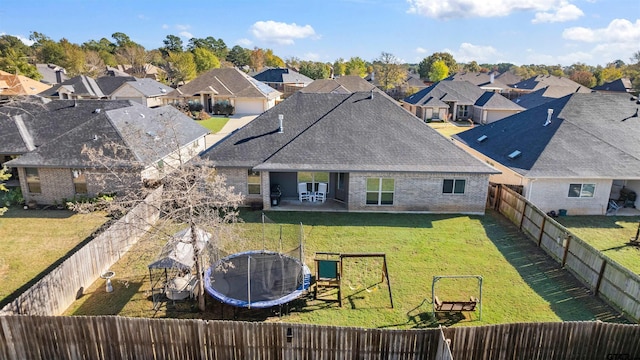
57	290
615	284
104	337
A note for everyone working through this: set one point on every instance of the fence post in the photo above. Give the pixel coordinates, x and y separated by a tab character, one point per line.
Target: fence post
600	276
566	250
498	197
524	211
544	222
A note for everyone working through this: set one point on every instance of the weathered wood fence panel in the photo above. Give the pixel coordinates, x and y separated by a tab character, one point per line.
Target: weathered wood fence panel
41	337
545	341
607	279
53	294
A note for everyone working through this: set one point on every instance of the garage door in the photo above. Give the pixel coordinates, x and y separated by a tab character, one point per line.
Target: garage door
249	107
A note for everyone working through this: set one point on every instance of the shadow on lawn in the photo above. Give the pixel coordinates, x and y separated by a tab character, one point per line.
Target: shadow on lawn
569	299
104	303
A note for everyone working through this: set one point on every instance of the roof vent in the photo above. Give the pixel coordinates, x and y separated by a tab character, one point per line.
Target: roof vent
163	90
142	115
515	154
96	111
95	137
549	113
482	138
281	128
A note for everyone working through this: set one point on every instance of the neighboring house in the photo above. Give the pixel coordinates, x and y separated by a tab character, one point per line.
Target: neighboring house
340	85
574	153
623	85
287	81
491	81
12	85
374	155
45	139
52	73
459	100
542	81
228	86
411	84
147	92
546	94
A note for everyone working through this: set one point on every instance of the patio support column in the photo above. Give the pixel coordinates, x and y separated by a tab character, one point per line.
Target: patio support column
265	187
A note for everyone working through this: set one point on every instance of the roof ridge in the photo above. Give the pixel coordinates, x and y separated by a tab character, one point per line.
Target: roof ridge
223	85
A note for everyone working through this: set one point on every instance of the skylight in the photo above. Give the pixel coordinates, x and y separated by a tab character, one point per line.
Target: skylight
482	138
515	154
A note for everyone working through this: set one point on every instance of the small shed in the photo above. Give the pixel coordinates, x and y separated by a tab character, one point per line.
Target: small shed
171	274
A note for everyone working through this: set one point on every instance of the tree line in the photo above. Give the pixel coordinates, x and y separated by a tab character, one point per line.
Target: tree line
180	62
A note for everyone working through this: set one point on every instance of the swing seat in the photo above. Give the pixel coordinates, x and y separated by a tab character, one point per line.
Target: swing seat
451	306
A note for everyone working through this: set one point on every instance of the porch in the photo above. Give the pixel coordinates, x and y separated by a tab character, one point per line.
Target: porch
293	204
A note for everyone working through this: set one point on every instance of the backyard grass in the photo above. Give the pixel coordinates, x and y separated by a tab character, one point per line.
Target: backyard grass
34	240
520	283
448	129
609	234
214	124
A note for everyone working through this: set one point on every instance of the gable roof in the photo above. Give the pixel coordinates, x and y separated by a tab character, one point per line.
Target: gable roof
52	134
283	76
591	135
621	85
462	92
342	132
483	80
540	81
52	73
340	85
492	100
147	87
546	94
80	85
225	82
18	85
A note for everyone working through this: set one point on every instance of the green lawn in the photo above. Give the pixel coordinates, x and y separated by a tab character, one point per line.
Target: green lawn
214	124
520	283
448	129
34	240
609	234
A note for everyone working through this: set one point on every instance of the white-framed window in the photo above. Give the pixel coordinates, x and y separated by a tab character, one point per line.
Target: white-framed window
253	182
582	190
313	178
380	191
453	186
463	111
33	180
79	181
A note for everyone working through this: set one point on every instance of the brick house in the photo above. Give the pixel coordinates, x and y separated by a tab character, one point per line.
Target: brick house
44	140
374	156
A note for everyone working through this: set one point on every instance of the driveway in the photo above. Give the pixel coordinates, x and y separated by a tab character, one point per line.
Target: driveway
235	122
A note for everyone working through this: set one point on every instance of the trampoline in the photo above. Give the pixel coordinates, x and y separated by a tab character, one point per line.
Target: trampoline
257	279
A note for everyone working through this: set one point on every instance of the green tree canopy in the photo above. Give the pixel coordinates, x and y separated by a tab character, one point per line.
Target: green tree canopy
425	66
216	46
439	71
172	43
272	60
205	60
389	72
183	67
339	67
315	69
472	66
356	66
239	56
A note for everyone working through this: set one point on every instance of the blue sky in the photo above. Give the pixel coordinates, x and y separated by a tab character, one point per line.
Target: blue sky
550	32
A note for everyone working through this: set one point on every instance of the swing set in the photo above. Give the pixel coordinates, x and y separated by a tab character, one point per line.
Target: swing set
458	305
330	269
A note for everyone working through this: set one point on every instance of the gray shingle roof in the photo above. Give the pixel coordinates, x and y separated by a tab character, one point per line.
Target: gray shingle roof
342	132
109	84
149	87
540	81
80	85
492	100
50	73
462	92
587	138
340	85
225	82
60	128
546	94
621	85
283	76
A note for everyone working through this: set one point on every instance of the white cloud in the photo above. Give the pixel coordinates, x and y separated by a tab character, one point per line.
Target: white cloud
421	50
165	26
183	27
566	12
143	17
620	31
244	42
186	34
311	56
451	9
468	52
281	33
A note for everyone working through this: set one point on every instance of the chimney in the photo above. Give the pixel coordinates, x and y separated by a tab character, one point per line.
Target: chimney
58	76
373	76
281	129
492	77
549	113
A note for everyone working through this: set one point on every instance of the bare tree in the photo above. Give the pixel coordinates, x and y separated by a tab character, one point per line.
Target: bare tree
135	56
193	195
